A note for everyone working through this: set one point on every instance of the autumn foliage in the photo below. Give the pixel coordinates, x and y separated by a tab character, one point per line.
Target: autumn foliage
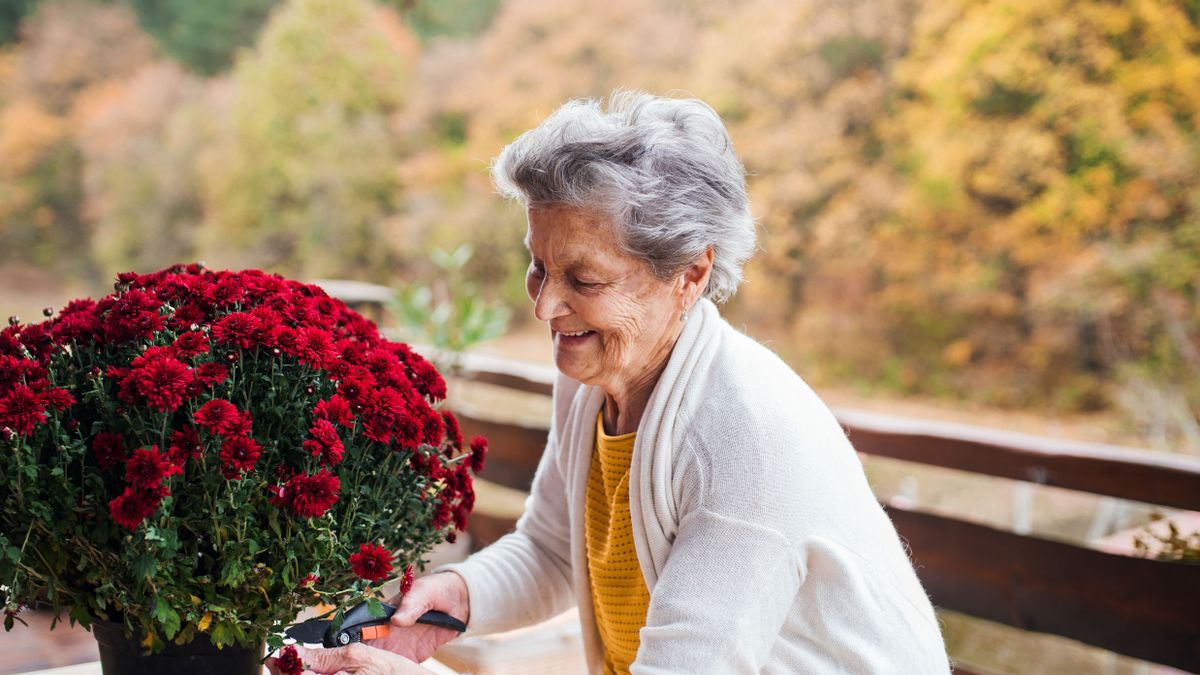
995	199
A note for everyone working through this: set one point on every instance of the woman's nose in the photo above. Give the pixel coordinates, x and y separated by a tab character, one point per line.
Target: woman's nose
549	303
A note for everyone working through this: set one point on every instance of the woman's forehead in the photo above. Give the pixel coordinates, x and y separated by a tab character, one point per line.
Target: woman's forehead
565	229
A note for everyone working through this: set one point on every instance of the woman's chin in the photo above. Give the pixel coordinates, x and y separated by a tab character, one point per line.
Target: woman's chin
573	366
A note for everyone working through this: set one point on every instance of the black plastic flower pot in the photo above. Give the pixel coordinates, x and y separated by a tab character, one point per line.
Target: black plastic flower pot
123	655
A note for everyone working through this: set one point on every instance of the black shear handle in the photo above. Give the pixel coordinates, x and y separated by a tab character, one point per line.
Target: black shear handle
442	620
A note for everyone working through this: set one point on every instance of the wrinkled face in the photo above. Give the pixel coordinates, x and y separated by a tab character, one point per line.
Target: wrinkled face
613	323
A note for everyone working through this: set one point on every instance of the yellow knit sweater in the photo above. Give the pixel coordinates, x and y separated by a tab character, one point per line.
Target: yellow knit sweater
618	590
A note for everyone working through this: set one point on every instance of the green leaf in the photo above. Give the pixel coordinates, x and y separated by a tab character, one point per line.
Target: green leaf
168	616
375	608
274	641
222	633
144	567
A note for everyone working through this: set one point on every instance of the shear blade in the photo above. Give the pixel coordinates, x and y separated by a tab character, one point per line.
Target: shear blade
309	632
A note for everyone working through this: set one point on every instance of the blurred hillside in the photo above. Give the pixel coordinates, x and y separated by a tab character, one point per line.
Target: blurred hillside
995	200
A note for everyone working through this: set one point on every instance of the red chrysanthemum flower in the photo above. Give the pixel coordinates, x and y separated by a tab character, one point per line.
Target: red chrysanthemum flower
132	315
163	383
225	292
427	378
21	410
77	322
310	496
317	350
239	455
372	562
479	448
288	662
325	442
406	581
109	449
453	431
189	314
238	329
185	445
211	374
57	398
335	409
12	370
134	506
191	343
222	417
147	468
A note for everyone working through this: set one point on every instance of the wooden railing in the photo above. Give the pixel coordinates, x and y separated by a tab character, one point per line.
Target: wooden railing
1139	607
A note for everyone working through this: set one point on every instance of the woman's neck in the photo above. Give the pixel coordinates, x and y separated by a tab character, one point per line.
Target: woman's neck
625	404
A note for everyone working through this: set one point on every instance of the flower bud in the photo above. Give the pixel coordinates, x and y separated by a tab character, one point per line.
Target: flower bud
14	320
231	357
47	311
310	390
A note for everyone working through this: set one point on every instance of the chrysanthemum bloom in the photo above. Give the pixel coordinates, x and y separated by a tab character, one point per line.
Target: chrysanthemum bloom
222	417
134	505
185	445
372	562
325	442
22	410
310	496
109	449
479	448
147	468
238	455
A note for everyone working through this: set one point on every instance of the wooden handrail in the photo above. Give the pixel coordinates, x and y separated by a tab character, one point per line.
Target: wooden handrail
1109	470
1134	606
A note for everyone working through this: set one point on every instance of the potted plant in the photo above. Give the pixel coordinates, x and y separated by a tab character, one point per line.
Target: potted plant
190	461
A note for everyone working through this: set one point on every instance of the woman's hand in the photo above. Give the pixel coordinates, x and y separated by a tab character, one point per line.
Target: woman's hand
445	592
356	658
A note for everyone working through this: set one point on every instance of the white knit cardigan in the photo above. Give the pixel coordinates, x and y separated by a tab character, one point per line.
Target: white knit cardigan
760	541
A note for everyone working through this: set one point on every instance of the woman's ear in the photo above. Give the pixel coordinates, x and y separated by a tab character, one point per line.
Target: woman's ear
695	278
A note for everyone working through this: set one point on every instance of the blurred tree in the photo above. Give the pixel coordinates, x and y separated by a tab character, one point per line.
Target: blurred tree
1049	228
801	86
305	174
447	18
204	36
70	51
141	140
12	12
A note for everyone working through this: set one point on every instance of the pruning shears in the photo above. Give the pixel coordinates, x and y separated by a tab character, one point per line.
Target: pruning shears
359	625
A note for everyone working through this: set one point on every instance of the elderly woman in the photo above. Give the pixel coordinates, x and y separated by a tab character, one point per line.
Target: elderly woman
696	500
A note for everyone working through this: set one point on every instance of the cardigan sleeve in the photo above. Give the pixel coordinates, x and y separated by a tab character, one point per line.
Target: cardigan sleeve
525	576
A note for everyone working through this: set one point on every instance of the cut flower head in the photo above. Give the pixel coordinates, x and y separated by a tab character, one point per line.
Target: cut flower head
213	451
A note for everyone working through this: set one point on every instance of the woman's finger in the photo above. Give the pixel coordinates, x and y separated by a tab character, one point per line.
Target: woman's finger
332	660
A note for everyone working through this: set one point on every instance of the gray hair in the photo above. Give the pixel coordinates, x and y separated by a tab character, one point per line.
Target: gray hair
663	169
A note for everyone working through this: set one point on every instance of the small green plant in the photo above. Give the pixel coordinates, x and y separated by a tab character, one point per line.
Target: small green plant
449	315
